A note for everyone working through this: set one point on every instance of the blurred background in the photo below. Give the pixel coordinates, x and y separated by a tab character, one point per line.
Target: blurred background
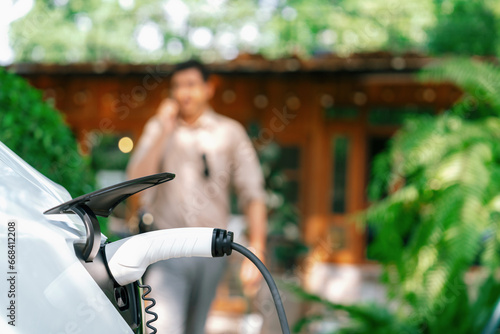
376	123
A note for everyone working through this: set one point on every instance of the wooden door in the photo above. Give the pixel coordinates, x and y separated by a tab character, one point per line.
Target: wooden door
344	192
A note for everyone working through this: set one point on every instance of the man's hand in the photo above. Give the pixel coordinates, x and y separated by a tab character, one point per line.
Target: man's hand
250	275
257	223
146	157
167	113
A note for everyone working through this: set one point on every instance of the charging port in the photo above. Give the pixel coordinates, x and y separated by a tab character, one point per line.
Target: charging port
121	298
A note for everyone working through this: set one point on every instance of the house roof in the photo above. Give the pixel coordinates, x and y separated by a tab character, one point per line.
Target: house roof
246	63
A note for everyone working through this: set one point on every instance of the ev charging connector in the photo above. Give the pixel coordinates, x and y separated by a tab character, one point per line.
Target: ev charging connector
127	259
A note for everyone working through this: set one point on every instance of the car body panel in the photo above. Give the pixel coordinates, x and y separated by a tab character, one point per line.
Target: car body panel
54	293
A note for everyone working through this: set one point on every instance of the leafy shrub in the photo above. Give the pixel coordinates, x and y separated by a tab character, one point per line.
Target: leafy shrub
470	29
37	133
441	216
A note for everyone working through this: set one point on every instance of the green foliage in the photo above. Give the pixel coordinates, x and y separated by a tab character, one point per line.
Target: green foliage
106	155
82	31
455	31
283	215
444	216
433	228
480	82
37	133
437	211
368	318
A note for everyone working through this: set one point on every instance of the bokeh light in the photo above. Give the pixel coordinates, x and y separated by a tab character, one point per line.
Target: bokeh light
125	144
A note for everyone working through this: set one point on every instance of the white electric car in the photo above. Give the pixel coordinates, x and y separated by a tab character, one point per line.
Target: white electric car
60	274
47	286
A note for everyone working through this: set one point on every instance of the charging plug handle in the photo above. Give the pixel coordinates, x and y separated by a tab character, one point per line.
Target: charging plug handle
127	259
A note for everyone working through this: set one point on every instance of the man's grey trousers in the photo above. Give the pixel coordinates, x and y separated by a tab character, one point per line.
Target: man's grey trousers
184	289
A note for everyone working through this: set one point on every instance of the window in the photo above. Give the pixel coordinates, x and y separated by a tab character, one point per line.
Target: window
395	116
289	163
341	113
340	149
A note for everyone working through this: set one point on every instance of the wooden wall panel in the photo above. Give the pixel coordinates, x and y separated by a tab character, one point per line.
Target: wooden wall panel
123	103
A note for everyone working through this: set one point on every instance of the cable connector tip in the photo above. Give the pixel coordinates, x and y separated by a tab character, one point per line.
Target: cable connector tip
221	242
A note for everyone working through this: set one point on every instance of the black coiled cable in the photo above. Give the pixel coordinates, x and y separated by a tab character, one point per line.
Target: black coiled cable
147	290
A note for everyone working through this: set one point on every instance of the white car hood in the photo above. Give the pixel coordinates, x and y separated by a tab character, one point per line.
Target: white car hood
54	293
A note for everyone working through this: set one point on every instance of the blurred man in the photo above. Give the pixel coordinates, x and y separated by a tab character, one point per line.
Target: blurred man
209	153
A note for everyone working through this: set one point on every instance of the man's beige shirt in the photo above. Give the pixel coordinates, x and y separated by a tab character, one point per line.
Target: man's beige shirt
191	199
